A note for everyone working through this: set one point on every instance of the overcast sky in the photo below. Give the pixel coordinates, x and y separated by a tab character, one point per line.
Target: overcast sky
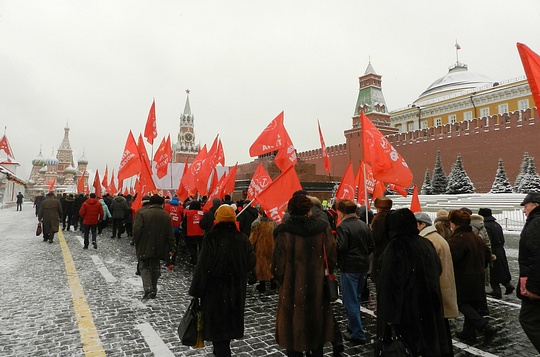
97	65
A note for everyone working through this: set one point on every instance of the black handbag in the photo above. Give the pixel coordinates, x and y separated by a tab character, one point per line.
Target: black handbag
391	344
187	329
38	229
330	283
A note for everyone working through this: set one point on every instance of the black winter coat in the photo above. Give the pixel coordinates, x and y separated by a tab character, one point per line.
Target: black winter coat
409	295
529	254
354	245
499	272
219	280
247	217
153	233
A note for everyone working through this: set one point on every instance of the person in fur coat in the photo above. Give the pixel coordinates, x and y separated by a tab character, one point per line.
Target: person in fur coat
262	240
304	319
408	291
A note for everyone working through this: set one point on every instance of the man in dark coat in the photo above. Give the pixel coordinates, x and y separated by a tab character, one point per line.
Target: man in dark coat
304	318
77	204
37	202
20	198
378	230
219	280
499	272
249	214
67	208
118	209
154	241
529	270
470	256
207	222
50	215
354	245
408	290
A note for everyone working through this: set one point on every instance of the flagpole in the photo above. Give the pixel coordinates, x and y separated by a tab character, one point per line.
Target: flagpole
244	208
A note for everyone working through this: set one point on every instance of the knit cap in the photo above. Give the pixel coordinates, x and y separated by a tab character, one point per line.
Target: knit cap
225	213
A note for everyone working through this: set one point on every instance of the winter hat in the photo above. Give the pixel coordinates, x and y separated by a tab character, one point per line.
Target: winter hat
423	217
300	193
299	205
466	209
460	217
216	202
145	199
401	222
174	201
532	197
442	213
157	200
383	202
485	212
225	213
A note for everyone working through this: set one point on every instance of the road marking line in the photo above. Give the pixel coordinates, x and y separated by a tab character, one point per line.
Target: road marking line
89	336
513	304
109	278
153	340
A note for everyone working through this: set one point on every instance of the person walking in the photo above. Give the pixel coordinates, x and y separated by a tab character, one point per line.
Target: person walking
67	208
37	202
20	199
219	280
106	216
470	256
77	204
50	215
499	272
193	232
378	231
207	222
354	245
154	241
262	240
92	214
175	210
408	291
446	280
304	318
119	207
528	289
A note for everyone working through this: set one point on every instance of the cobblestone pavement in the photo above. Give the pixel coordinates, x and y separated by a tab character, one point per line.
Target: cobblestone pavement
41	314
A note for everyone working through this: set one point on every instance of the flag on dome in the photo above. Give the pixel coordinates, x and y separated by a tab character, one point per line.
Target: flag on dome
150	130
531	64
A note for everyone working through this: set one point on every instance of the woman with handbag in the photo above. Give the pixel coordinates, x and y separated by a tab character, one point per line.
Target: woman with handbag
304	320
219	280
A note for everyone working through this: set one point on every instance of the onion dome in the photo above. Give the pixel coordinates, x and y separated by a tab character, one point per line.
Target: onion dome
31	182
83	160
43	170
70	170
39	160
51	161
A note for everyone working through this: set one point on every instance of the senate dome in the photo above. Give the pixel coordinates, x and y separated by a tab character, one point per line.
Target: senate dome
458	79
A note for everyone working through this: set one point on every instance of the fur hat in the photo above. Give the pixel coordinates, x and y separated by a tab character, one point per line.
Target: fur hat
383	202
225	213
485	212
299	205
442	213
401	222
145	199
460	217
423	217
156	200
532	197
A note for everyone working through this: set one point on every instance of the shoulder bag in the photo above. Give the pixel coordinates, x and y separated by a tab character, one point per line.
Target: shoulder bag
330	283
391	344
188	329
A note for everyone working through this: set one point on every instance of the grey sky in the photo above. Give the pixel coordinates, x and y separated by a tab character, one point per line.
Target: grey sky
97	65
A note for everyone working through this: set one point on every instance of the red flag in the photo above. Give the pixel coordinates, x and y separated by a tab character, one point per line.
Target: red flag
207	165
150	130
220	155
326	159
230	183
286	156
271	139
214	182
145	175
531	65
217	192
112	187
399	189
137	202
80	184
368	182
104	182
162	158
387	164
379	190
182	192
131	163
191	181
346	189
415	202
275	197
51	184
97	184
4	146
259	182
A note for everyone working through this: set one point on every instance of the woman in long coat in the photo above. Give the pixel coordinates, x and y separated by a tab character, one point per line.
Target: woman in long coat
262	240
50	214
408	292
304	319
220	279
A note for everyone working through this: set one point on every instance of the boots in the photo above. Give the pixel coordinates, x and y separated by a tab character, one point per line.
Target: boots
509	289
489	334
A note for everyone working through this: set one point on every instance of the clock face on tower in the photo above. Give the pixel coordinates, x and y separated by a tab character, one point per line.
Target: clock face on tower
188	137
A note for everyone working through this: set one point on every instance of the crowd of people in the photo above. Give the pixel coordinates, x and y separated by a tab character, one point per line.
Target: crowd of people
425	271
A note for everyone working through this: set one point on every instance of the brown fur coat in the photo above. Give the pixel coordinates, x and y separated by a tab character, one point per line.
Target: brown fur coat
262	240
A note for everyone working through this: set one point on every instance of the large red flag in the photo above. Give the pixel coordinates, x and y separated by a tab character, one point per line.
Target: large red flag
150	130
112	187
145	176
346	189
217	192
131	163
275	197
326	159
387	164
378	190
80	184
271	139
399	189
162	158
364	184
286	156
230	183
97	184
415	201
207	165
259	182
531	64
194	182
105	180
220	155
182	192
4	146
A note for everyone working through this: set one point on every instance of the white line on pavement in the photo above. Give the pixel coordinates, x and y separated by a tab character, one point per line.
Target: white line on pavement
103	269
156	344
513	304
472	350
